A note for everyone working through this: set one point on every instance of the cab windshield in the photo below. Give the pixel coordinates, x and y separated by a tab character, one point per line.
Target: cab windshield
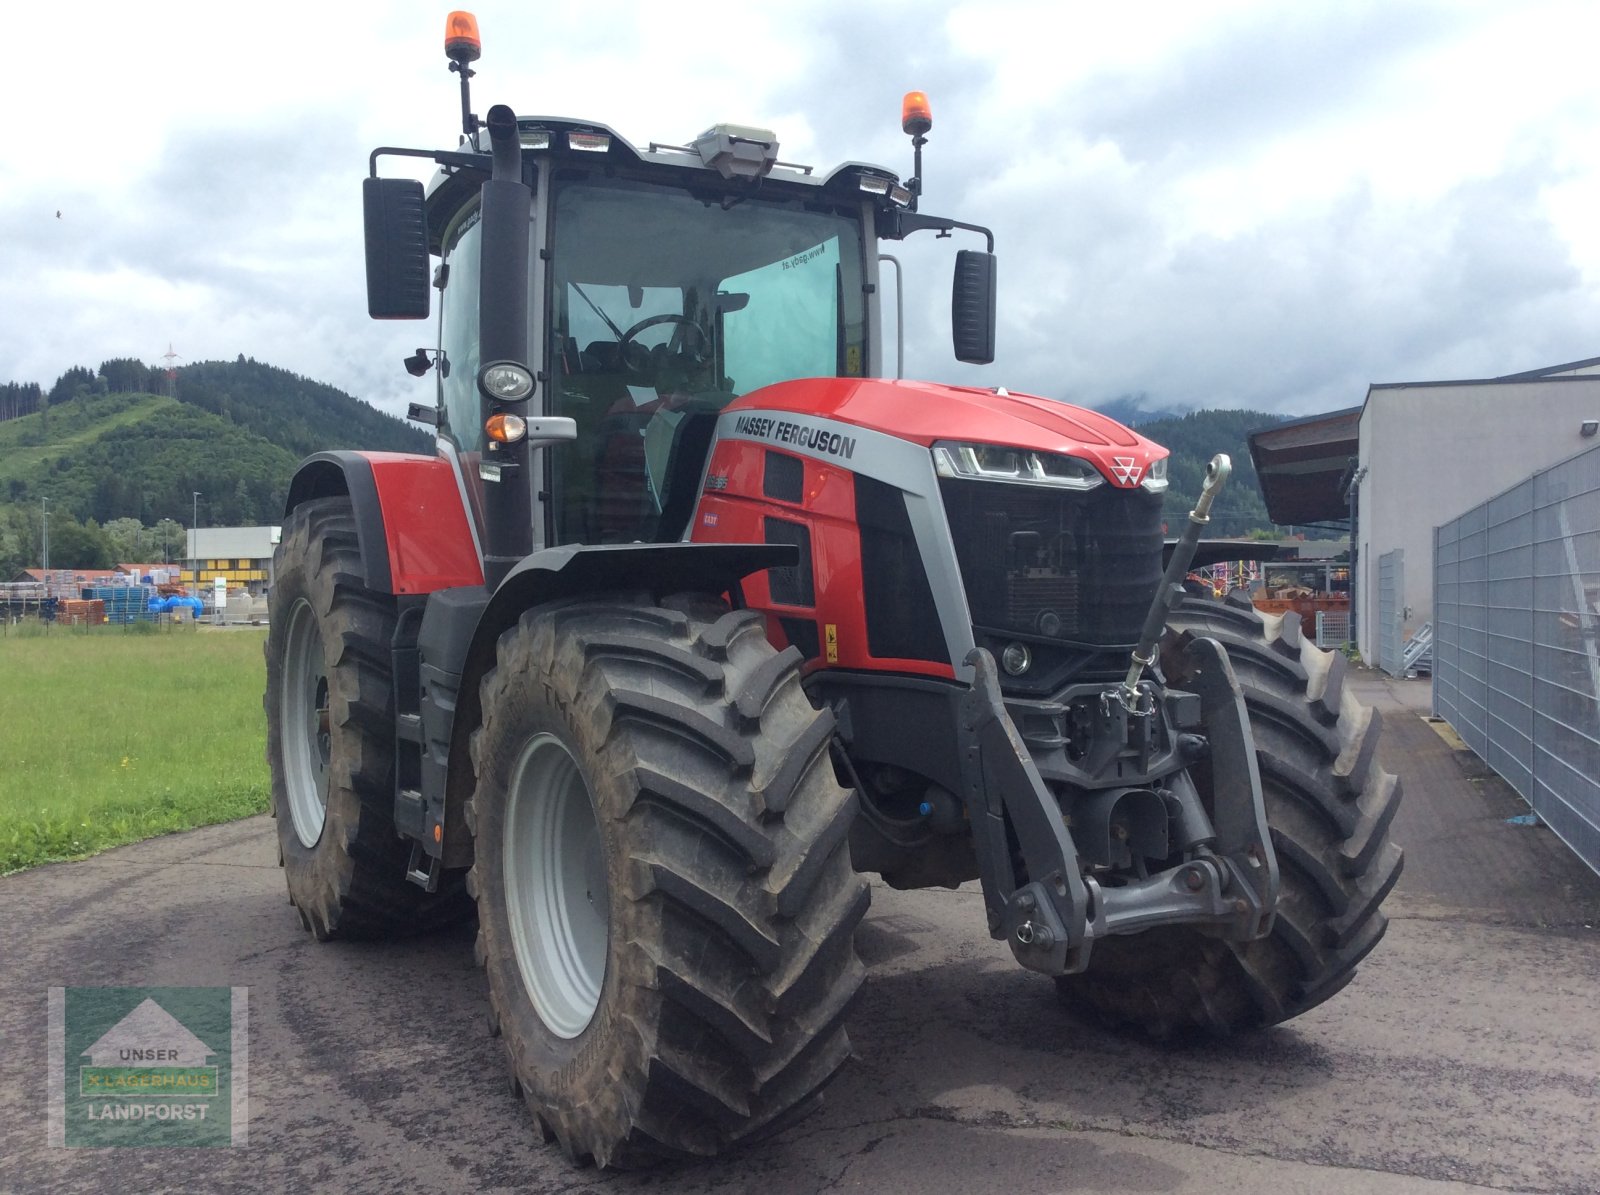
666	305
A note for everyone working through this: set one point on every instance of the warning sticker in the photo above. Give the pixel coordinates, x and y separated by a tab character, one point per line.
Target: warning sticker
831	642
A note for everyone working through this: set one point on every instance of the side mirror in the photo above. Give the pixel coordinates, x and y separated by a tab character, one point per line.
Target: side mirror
972	307
397	248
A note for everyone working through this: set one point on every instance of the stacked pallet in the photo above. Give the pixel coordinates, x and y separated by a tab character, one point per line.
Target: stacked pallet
123	603
78	612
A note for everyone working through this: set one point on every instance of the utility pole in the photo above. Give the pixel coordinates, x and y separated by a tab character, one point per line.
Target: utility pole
194	542
44	563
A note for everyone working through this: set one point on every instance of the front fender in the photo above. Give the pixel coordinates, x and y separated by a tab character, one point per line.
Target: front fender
572	571
411	523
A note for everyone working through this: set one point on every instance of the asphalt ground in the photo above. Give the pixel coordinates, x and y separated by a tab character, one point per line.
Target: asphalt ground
1465	1056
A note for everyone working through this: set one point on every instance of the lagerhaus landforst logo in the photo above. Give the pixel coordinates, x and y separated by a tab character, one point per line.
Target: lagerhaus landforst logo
148	1066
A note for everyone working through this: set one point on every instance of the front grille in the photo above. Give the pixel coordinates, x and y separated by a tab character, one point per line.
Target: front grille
1028	597
1079	567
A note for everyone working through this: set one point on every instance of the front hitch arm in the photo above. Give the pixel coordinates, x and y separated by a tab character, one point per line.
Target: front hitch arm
1239	811
1034	892
1045	919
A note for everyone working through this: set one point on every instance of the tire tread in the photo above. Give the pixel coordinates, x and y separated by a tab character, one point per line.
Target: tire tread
739	964
1330	808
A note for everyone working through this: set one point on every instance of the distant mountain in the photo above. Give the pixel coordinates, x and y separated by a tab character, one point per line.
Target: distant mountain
1135	410
1196	437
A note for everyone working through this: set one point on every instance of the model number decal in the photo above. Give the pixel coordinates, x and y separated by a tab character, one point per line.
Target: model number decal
781	431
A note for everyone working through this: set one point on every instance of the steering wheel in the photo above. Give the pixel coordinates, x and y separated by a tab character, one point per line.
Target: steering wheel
637	359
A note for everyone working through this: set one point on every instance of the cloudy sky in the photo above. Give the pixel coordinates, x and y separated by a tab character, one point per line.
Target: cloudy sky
1208	204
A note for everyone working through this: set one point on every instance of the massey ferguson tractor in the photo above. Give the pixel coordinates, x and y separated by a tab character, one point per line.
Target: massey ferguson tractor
696	617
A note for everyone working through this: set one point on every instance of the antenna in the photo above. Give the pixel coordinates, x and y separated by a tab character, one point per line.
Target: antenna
170	376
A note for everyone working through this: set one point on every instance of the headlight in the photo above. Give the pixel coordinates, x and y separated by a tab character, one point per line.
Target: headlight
1016	659
1155	477
505	381
993	462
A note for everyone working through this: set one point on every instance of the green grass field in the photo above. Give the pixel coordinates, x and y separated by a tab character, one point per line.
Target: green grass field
108	737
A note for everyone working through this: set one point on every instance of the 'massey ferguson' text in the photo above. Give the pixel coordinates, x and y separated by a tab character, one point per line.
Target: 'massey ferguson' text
782	431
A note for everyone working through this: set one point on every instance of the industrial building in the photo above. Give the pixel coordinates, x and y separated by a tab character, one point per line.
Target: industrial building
1412	457
241	556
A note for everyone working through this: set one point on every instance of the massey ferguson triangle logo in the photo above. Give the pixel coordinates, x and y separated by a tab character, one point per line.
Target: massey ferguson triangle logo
1126	470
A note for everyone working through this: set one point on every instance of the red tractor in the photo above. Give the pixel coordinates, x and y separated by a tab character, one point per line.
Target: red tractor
695	618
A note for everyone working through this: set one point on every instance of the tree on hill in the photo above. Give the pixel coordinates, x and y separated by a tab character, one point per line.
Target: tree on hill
66	387
18	399
124	375
294	412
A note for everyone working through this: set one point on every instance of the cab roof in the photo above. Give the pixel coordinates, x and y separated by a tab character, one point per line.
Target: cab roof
566	139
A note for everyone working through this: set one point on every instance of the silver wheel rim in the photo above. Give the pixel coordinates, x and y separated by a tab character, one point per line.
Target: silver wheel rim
556	897
306	736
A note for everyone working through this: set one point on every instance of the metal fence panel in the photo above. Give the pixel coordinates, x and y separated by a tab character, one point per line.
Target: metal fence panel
1391	616
1333	629
1516	653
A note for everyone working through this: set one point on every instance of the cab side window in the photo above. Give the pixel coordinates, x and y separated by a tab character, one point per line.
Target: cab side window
458	338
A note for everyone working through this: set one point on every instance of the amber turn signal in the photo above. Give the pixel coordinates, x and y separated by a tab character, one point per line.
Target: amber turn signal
506	429
916	118
461	42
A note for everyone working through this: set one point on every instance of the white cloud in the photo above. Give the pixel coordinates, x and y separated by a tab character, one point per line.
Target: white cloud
1223	202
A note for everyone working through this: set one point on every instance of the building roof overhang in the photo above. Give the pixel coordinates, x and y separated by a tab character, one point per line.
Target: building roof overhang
1304	466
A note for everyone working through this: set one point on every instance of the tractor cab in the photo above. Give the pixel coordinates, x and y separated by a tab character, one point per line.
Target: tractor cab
662	282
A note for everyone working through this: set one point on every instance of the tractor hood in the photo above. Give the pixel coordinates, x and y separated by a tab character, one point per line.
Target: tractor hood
927	412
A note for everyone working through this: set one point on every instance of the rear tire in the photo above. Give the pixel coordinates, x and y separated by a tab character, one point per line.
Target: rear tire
1329	807
665	899
330	739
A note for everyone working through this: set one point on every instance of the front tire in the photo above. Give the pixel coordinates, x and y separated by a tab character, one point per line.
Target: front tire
665	899
1329	808
330	738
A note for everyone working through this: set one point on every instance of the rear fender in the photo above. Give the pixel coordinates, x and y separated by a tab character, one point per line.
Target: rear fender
411	522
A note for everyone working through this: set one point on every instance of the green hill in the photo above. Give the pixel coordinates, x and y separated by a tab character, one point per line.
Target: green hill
141	456
1194	439
104	448
294	412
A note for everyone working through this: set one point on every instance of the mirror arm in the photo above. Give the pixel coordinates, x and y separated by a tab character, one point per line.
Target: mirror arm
443	157
898	225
